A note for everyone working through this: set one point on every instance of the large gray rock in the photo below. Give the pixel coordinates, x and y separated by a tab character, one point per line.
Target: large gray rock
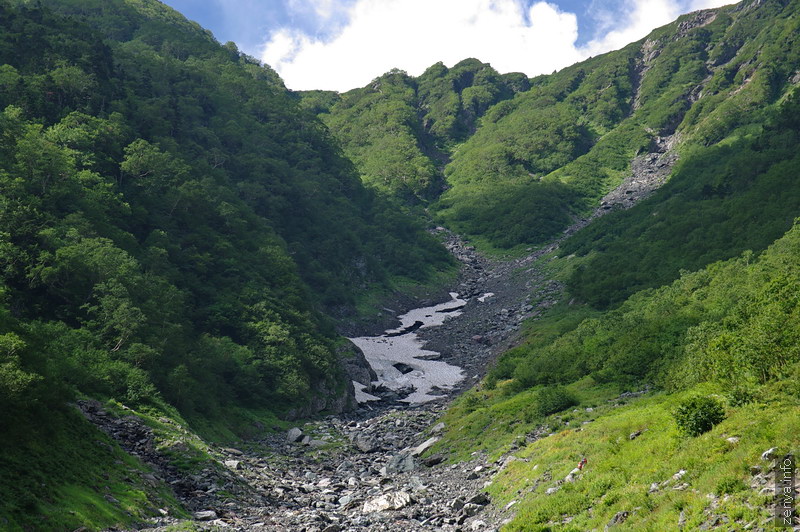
294	435
439	427
389	501
366	443
424	446
206	515
356	365
399	463
618	519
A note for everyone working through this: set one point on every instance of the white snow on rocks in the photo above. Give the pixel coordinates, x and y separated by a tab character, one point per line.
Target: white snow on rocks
361	395
383	352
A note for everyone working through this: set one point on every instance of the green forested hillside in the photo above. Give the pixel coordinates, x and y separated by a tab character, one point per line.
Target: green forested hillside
722	199
724	336
706	77
171	220
538	154
178	234
399	129
172	227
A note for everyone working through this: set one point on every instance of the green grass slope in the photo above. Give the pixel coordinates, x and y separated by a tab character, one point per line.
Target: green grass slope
728	331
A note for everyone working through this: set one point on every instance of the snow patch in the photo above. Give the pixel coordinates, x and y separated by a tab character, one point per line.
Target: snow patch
383	352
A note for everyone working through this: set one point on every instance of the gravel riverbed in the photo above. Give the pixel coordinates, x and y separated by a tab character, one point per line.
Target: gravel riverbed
367	469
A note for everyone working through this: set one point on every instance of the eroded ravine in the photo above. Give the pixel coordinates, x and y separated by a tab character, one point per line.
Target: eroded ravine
365	470
368	469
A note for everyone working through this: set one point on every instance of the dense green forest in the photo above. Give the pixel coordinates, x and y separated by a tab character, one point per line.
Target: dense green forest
171	220
721	200
734	322
399	130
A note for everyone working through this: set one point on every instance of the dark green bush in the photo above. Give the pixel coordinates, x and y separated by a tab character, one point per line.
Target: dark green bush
697	415
554	399
730	485
740	396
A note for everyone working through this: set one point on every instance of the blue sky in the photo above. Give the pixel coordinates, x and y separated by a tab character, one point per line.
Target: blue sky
343	44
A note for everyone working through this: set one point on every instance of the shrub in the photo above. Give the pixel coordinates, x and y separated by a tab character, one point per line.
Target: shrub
740	396
697	415
554	399
730	485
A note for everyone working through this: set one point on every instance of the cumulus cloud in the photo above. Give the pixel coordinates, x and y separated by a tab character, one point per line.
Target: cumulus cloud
640	17
378	35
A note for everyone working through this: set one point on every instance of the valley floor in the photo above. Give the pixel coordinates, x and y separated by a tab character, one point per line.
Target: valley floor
343	470
384	466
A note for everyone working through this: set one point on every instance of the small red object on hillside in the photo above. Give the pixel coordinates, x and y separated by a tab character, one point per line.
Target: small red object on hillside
582	463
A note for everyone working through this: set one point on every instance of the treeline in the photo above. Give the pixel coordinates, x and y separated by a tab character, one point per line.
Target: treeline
171	222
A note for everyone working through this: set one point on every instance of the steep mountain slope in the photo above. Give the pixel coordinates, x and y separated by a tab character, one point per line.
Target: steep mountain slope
399	129
570	139
609	387
542	159
172	222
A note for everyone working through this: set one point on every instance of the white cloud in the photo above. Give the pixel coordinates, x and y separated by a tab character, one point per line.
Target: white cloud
643	17
413	34
708	4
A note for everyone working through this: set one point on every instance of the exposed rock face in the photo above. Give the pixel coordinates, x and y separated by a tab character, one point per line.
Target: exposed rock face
356	366
329	396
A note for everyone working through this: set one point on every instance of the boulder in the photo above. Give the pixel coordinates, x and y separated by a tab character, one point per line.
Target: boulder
439	427
390	501
205	515
470	509
433	460
366	443
424	446
572	475
399	463
294	435
481	499
618	519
